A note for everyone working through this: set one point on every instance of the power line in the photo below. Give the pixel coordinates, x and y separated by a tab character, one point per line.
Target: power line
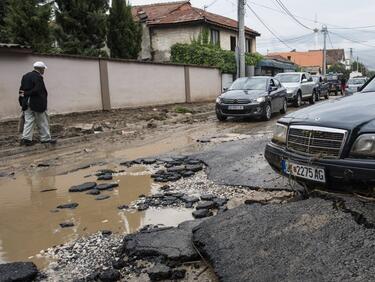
330	41
209	5
333	26
289	40
269	29
281	4
353	40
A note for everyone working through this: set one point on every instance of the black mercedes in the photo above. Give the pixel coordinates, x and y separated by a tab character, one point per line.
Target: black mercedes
257	96
331	144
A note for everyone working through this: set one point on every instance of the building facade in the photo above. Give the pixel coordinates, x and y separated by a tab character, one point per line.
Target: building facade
165	24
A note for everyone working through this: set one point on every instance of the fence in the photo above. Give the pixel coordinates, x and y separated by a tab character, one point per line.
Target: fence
78	84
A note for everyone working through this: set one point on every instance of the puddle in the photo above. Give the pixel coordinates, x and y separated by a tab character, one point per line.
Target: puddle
28	226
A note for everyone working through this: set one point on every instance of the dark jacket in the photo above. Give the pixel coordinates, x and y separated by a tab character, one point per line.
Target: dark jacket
35	91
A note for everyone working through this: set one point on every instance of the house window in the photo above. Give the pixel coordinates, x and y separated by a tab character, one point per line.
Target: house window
233	43
248	45
215	37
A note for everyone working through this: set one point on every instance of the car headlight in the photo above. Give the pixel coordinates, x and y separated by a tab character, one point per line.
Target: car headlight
218	100
261	99
279	134
364	146
290	90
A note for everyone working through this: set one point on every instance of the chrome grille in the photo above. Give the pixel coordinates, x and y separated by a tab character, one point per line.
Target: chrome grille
235	101
316	141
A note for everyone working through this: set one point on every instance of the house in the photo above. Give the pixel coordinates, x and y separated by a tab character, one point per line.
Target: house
165	24
273	64
312	60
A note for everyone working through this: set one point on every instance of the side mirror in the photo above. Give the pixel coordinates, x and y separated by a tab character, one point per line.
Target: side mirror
304	80
225	89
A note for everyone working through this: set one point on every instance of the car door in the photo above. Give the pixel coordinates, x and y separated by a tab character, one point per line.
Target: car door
304	85
310	83
273	93
281	93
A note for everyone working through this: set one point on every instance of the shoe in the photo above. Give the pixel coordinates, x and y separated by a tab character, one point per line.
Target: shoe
51	141
26	142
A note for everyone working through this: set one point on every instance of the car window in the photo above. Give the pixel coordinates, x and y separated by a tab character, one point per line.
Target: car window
370	87
272	83
277	83
303	77
288	78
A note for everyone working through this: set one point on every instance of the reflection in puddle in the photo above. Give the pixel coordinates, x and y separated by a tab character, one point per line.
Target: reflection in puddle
28	226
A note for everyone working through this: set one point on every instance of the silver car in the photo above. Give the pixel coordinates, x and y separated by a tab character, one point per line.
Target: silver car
354	85
299	85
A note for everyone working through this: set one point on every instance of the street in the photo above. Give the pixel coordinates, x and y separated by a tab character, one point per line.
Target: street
74	235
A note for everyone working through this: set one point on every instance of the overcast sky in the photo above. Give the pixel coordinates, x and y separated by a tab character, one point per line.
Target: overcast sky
336	14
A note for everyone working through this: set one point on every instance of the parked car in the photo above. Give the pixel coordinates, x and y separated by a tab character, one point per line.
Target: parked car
321	87
258	96
299	86
354	85
331	144
334	83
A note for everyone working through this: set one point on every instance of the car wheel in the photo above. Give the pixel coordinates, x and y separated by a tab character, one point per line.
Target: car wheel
267	112
312	98
298	100
220	117
285	107
326	96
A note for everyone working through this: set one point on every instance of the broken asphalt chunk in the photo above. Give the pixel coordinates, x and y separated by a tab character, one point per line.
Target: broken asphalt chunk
18	271
102	197
106	186
67	206
107	176
201	213
159	272
66	224
83	187
205	205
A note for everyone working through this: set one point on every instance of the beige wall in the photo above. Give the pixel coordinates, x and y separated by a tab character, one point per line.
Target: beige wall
205	84
164	38
134	85
73	84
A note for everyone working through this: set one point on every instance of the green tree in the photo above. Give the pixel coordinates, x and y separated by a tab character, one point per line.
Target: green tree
3	11
81	26
339	68
124	34
27	23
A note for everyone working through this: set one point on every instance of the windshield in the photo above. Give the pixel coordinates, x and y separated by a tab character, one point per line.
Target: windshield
370	87
356	81
288	78
253	83
332	77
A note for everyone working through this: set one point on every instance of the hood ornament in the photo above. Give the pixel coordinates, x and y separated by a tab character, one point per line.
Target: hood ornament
317	118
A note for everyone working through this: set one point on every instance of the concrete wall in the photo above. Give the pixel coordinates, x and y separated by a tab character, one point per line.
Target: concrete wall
162	39
134	85
73	84
205	84
77	84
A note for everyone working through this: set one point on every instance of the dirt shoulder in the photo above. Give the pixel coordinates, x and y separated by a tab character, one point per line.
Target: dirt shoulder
90	126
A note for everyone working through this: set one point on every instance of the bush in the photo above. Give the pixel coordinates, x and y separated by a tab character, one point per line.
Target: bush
209	55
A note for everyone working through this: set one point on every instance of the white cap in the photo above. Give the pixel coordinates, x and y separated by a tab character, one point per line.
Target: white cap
40	65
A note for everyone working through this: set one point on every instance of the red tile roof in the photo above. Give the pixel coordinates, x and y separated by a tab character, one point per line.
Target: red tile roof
182	12
303	59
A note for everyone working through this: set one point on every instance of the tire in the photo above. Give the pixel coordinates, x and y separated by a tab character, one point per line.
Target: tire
312	98
298	101
220	117
285	107
335	93
327	96
267	112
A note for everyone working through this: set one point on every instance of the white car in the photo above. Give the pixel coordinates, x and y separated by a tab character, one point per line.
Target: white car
299	85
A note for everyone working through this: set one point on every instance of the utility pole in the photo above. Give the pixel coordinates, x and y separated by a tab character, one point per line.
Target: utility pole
324	31
241	37
351	59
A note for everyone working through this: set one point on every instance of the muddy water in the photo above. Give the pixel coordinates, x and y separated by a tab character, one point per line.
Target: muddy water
27	224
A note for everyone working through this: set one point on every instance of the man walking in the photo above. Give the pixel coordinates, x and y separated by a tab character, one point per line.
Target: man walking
33	99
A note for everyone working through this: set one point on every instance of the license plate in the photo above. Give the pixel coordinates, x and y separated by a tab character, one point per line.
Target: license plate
303	171
235	107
